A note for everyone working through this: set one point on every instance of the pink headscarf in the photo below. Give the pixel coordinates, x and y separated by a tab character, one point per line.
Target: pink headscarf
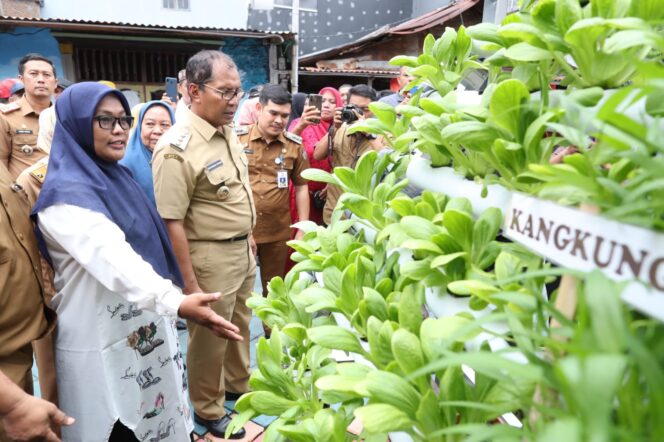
312	134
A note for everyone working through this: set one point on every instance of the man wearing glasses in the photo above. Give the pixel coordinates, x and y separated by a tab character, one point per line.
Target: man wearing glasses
19	121
201	186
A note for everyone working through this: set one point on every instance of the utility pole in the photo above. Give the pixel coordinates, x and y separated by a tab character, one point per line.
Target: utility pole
295	28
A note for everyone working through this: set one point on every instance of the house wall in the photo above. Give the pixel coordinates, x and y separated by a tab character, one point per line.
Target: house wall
252	59
336	21
17	42
19	8
202	13
421	7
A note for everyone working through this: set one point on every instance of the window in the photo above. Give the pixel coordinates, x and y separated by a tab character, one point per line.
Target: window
176	4
305	5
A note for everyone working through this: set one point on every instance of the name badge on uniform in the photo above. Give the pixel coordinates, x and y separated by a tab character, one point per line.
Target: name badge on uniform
282	179
214	165
249	151
23	131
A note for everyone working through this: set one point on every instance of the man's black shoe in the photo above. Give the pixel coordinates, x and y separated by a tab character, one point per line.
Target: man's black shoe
218	426
230	396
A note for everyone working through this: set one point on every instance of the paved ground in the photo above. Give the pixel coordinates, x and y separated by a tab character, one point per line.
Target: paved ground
254	430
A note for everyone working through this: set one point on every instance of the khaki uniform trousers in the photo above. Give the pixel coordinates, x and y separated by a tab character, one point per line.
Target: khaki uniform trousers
272	258
216	365
17	367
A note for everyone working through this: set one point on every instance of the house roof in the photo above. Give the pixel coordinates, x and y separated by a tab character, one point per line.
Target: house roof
436	17
137	28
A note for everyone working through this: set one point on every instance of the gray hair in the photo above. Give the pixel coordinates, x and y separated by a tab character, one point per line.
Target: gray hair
200	66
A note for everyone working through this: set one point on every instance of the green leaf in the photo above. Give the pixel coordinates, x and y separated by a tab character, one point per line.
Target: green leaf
404	60
507	103
419	228
388	388
265	402
320	176
526	52
443	260
410	308
459	225
407	350
473	135
383	418
335	338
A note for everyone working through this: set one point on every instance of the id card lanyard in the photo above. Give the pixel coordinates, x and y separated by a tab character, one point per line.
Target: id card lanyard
282	174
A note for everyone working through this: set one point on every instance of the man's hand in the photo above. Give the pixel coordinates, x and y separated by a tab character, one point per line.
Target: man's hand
196	308
31	418
252	245
323	192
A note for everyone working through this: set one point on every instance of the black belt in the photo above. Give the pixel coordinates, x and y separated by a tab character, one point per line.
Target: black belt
237	238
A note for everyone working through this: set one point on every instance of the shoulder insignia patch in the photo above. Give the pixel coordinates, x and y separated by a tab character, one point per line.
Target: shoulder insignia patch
181	140
9	107
39	173
294	138
241	130
174	156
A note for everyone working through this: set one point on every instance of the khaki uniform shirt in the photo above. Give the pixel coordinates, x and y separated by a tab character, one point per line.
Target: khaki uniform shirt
346	150
265	161
19	127
200	175
23	315
32	179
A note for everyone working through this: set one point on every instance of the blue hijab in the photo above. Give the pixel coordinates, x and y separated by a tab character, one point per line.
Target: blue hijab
137	157
76	176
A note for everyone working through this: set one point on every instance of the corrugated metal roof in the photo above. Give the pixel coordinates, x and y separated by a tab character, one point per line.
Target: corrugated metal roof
100	24
433	18
422	23
350	72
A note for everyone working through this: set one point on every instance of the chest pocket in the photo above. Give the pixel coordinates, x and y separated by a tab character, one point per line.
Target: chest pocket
219	182
289	163
20	140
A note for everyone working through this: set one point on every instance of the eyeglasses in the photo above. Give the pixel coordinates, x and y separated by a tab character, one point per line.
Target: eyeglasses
108	122
227	94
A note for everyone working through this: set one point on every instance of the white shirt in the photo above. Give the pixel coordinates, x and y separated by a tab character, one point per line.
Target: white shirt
115	357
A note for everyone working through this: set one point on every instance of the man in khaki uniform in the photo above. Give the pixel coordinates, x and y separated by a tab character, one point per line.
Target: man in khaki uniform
348	148
23	315
19	121
275	158
201	186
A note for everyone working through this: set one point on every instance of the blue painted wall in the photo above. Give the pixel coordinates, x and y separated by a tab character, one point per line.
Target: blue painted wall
20	41
252	59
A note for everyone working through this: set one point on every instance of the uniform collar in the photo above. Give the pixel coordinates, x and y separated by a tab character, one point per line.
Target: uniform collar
255	134
26	109
205	129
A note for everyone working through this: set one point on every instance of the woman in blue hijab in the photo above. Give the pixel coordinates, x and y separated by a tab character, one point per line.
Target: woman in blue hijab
119	368
154	118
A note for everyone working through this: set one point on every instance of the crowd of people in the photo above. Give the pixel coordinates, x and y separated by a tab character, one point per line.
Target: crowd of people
118	221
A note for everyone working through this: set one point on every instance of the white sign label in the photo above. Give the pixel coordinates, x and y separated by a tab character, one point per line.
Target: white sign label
583	241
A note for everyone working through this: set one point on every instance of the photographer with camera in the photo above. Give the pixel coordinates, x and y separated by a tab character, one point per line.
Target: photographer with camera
342	148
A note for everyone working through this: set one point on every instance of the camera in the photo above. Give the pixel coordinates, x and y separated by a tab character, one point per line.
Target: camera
347	114
319	201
